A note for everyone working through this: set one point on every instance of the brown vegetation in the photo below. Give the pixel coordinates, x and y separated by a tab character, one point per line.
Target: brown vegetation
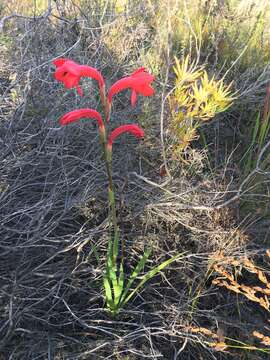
213	206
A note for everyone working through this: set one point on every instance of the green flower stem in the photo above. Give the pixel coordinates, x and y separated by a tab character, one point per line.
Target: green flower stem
113	279
108	165
111	196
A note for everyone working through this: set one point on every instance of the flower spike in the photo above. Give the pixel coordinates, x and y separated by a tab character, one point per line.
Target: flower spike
132	129
139	82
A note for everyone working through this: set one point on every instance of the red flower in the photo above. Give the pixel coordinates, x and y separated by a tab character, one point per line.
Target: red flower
139	82
70	74
132	129
78	114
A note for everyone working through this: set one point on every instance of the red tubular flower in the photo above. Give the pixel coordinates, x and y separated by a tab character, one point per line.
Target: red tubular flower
70	73
139	82
78	114
132	129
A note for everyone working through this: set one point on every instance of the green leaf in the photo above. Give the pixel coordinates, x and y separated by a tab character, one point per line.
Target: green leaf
151	274
111	270
118	289
108	293
121	275
111	273
136	272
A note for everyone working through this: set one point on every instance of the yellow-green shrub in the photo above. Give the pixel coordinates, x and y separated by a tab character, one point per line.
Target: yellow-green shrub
195	99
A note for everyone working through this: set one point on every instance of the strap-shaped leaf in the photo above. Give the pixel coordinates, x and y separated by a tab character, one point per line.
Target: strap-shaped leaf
121	275
136	272
151	274
112	275
118	290
108	293
111	271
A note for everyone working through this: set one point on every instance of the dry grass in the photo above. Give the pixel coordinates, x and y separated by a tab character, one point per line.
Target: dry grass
265	340
53	214
235	281
229	281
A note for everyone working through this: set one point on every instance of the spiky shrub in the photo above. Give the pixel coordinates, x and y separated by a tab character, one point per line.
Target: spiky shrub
196	99
118	288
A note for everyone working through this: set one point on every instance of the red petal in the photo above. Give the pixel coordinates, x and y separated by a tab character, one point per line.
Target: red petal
145	90
79	91
91	72
132	129
58	75
59	62
144	78
139	71
119	85
78	114
133	98
70	81
139	81
71	67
